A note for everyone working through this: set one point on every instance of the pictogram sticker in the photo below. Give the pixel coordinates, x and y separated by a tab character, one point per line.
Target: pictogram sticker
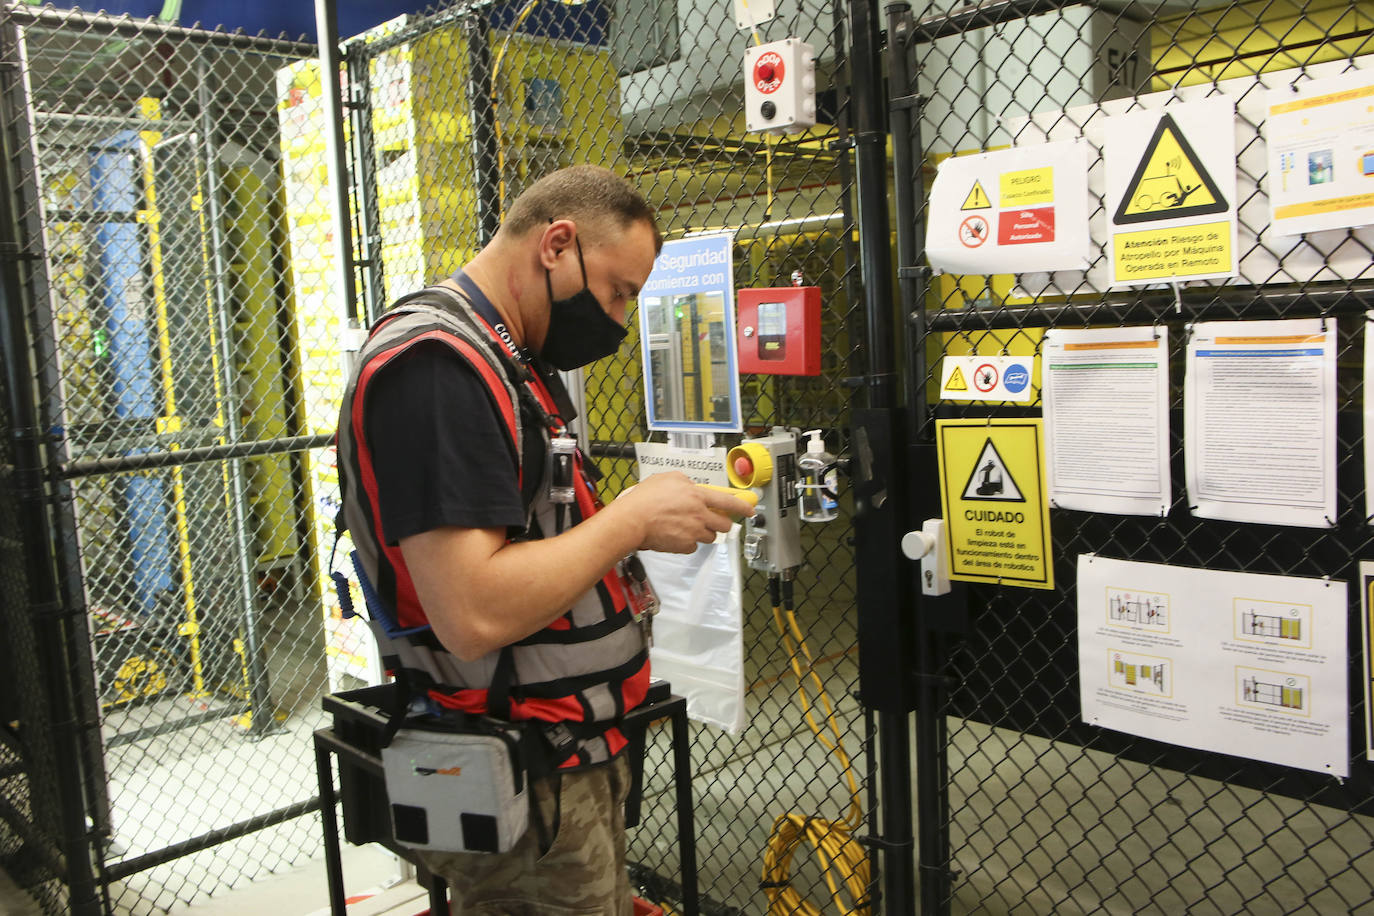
956	381
990	479
974	231
1015	378
977	198
985	377
1170	181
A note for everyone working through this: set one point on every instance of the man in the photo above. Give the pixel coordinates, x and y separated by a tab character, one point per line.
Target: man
473	516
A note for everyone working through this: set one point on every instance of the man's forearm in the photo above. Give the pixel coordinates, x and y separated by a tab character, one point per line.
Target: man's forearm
481	593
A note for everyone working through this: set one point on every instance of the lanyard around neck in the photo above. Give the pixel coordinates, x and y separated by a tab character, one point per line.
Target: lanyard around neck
483	307
552	384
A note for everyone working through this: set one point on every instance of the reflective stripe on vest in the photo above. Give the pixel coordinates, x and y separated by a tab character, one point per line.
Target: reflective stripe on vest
591	664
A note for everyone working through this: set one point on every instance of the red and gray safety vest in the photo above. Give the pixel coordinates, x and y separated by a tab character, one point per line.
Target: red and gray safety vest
587	668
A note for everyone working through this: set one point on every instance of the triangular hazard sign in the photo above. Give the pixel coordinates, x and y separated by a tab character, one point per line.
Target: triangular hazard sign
991	480
977	198
1169	182
956	381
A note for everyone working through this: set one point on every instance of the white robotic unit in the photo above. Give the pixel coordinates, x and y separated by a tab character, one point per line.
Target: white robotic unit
780	86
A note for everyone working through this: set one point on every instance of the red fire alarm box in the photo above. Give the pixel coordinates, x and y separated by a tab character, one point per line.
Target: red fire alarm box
780	330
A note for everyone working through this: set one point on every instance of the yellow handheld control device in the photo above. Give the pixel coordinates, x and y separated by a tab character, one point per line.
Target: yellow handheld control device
748	496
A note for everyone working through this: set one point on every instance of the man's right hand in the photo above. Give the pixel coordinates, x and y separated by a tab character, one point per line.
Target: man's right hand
677	515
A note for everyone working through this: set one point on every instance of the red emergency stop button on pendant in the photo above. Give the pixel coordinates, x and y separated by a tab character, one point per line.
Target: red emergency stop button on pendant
769	72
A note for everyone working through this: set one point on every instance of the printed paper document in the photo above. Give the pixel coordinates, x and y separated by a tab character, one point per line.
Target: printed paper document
1106	397
1260	421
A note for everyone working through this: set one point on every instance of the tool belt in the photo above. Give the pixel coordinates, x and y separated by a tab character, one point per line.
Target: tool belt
457	781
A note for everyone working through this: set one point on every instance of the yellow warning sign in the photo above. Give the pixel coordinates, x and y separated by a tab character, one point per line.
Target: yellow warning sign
1169	182
1166	254
1027	187
977	198
997	516
956	381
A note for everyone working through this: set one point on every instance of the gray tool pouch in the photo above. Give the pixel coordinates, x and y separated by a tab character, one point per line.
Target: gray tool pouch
456	792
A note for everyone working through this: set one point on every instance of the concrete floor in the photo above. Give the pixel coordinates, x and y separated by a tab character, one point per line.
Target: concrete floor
1038	828
13	900
375	886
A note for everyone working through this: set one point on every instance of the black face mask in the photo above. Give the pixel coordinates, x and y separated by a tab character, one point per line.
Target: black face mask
580	331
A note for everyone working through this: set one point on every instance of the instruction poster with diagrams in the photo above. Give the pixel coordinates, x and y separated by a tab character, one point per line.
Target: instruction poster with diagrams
1171	193
1236	663
1320	138
1259	440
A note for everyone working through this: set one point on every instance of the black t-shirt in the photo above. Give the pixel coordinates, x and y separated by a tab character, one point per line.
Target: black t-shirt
440	450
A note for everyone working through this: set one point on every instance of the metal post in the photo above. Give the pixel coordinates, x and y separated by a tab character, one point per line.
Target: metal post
54	615
686	825
853	288
364	151
870	159
880	506
262	713
71	566
336	154
487	170
333	868
904	114
932	794
101	25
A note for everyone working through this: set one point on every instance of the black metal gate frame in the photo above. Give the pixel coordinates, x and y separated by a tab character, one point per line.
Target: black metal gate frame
942	620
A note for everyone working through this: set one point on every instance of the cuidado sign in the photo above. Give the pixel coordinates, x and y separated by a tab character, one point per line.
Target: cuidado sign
997	515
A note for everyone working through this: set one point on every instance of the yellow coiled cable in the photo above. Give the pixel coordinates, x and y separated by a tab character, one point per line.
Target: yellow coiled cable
844	861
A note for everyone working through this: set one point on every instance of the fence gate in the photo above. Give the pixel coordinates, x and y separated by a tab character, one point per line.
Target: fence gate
451	113
167	656
1024	808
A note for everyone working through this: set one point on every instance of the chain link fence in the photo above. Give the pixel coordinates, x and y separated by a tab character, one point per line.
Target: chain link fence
653	91
161	326
175	326
1032	810
179	300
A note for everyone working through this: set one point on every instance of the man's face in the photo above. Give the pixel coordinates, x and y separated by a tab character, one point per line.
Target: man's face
618	266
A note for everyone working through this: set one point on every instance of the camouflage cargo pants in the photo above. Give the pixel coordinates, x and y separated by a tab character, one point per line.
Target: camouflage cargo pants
581	874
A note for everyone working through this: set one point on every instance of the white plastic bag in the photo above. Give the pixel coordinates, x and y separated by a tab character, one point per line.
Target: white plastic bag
699	631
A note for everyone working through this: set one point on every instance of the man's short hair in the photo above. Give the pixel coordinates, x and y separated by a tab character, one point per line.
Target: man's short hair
580	193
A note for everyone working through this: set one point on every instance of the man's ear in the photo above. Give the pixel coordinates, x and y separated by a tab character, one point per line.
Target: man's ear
555	241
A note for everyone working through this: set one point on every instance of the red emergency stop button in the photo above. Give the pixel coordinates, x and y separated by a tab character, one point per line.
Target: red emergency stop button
765	72
744	468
